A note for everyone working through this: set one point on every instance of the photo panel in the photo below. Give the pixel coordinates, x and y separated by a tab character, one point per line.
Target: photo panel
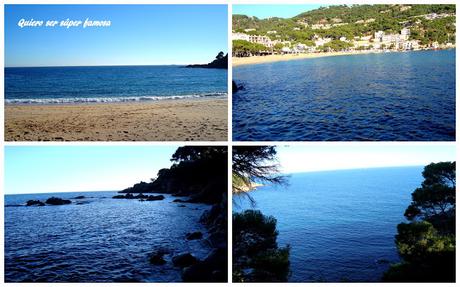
344	213
318	72
115	214
116	72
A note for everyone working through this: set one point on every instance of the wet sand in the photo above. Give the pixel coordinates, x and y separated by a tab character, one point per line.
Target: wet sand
175	120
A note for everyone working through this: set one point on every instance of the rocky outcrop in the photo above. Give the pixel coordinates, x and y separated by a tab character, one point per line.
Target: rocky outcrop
184	259
140	196
156	258
194	235
221	62
34	203
212	269
57	201
236	88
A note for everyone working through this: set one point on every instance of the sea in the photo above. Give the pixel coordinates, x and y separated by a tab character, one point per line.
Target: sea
404	96
341	225
97	239
106	84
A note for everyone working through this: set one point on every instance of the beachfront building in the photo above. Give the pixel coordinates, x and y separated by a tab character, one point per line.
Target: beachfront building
264	40
400	41
240	36
321	41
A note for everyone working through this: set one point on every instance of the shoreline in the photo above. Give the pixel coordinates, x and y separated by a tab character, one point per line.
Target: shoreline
166	120
147	101
253	60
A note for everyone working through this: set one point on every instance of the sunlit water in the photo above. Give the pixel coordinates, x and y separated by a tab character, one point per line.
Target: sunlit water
58	85
102	240
339	224
386	96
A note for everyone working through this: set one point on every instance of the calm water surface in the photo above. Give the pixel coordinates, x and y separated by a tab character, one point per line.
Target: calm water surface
387	96
340	224
101	240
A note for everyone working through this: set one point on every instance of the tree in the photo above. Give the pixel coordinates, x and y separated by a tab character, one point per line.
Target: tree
220	55
256	255
254	164
434	201
426	244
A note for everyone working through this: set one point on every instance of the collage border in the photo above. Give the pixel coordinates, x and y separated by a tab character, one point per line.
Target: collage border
229	143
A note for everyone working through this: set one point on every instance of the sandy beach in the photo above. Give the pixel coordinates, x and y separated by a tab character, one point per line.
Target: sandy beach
175	120
288	57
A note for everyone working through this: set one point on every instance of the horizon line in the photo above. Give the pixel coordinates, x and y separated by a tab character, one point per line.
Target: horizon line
354	168
63	192
115	65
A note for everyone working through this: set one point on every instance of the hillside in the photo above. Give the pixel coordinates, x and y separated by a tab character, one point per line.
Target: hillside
427	23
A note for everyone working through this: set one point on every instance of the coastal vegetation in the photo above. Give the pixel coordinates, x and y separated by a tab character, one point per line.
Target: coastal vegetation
347	28
426	244
256	254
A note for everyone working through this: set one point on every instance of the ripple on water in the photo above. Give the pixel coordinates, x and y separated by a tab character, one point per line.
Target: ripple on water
391	96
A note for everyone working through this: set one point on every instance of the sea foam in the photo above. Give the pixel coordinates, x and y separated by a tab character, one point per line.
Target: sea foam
76	100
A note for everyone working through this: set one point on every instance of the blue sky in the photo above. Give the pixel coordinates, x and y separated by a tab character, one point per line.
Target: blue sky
274	10
138	35
335	157
39	169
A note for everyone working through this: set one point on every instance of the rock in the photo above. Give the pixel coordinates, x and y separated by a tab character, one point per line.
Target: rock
236	88
57	201
34	202
194	235
79	197
179	200
156	258
212	269
154	197
184	259
118	196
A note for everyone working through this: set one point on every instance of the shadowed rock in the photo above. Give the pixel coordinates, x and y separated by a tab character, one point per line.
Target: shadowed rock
34	202
194	235
184	259
57	201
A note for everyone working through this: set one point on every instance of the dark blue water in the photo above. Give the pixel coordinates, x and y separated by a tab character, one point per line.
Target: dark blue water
102	240
387	96
340	224
111	84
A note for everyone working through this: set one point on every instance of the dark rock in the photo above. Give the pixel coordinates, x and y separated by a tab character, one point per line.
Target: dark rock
184	259
79	197
156	258
236	88
194	235
57	201
212	269
154	197
221	62
179	200
34	202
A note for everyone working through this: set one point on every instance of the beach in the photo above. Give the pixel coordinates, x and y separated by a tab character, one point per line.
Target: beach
167	120
236	61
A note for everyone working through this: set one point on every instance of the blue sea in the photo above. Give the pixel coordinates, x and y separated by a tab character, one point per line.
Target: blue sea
339	224
56	85
99	240
406	96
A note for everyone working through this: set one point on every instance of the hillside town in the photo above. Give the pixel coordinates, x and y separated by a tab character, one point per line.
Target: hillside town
274	42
